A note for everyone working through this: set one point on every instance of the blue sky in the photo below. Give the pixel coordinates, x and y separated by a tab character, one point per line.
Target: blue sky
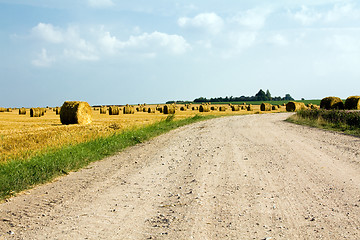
119	52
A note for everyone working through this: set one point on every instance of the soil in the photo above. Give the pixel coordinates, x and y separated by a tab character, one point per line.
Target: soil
241	177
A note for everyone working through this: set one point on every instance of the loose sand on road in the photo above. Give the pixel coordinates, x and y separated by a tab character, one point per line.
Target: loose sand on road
241	177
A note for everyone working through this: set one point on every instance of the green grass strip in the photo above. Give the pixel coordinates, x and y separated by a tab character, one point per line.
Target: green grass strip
19	175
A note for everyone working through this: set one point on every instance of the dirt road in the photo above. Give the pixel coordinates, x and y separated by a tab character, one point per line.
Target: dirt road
242	177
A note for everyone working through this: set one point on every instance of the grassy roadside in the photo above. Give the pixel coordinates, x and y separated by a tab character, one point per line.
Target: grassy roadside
18	175
347	122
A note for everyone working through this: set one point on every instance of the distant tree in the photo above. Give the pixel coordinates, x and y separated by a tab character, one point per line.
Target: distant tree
261	96
288	97
268	95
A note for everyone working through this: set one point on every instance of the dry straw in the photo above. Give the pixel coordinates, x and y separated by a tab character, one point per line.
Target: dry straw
114	110
129	109
274	107
353	103
151	110
183	108
22	111
58	110
222	108
2	109
75	112
265	107
103	110
331	103
204	108
169	109
250	107
235	108
35	112
9	110
295	106
214	108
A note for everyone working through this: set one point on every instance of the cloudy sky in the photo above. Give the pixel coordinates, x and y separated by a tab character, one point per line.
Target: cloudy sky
118	52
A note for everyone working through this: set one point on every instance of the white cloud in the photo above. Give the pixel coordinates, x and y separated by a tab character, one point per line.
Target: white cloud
43	60
342	11
48	33
211	22
239	42
252	18
101	3
307	16
156	41
279	39
80	55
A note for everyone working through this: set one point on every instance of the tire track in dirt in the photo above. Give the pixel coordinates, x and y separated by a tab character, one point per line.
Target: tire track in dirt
242	177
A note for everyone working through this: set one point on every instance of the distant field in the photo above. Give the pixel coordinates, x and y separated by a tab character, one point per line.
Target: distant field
315	101
22	136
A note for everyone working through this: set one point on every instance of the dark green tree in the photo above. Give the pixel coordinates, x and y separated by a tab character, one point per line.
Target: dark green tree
268	95
261	96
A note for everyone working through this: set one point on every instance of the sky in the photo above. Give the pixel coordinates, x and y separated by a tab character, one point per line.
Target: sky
141	51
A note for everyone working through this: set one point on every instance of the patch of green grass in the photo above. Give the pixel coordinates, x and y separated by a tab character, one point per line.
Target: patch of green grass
18	175
347	122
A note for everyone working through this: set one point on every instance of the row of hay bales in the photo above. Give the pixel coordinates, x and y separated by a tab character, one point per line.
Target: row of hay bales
351	103
5	109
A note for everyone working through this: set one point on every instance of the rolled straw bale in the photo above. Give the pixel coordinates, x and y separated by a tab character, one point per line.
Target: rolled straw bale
183	108
103	110
2	109
35	112
57	110
204	108
75	112
250	107
22	111
331	103
114	110
265	107
43	111
151	110
9	110
353	103
214	108
295	106
222	108
145	109
235	108
169	109
243	107
129	109
274	107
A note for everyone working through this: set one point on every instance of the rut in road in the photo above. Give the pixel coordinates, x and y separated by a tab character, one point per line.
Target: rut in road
241	177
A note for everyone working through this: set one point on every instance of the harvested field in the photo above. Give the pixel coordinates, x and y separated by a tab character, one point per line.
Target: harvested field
242	177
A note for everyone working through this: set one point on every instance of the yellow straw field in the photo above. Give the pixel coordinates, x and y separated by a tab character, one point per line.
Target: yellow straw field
22	136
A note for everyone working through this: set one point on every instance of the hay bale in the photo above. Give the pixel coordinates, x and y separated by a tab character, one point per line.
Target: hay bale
235	108
75	112
222	108
151	110
169	109
22	111
352	103
35	112
183	108
295	106
274	107
57	110
129	109
265	107
213	108
145	109
103	110
43	111
243	107
9	109
2	109
331	103
250	107
114	110
204	108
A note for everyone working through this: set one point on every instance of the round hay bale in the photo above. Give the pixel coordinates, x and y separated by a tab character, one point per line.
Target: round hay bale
183	108
250	107
169	109
274	107
35	112
75	112
222	108
22	111
235	108
2	109
9	110
265	107
295	106
103	110
214	108
243	107
114	110
352	103
128	109
331	103
204	108
151	110
43	111
57	110
145	109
